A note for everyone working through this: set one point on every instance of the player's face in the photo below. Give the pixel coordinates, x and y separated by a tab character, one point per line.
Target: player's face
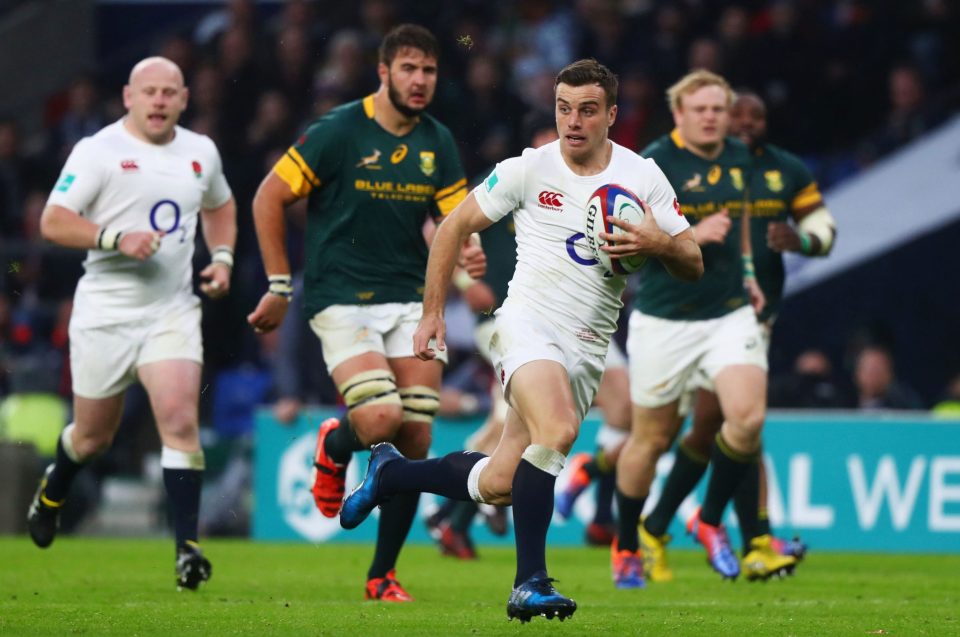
154	99
411	80
703	118
583	120
748	120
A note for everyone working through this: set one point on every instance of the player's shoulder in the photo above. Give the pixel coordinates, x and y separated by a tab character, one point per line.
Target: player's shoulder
659	147
193	140
735	150
345	116
783	157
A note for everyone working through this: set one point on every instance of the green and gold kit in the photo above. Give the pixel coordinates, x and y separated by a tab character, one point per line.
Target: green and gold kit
703	187
369	193
500	245
781	188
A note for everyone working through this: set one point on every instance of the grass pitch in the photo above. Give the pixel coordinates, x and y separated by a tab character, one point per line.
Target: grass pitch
125	587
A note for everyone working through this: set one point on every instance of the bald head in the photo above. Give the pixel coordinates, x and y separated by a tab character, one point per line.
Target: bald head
155	65
154	98
748	118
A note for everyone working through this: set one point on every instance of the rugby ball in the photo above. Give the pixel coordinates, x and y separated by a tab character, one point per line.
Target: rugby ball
616	201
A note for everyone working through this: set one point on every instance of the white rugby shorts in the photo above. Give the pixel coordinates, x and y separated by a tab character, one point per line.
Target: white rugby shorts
522	336
346	331
104	360
665	355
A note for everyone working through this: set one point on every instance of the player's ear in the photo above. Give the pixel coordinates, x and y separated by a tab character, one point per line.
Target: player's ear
383	72
127	96
185	99
612	115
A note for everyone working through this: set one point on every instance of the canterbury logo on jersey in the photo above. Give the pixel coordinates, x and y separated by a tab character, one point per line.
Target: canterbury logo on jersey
550	200
129	165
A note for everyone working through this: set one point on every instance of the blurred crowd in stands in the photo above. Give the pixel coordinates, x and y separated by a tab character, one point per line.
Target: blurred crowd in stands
846	81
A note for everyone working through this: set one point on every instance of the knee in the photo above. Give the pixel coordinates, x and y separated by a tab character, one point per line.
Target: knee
91	444
376	423
651	447
559	436
414	441
747	419
498	492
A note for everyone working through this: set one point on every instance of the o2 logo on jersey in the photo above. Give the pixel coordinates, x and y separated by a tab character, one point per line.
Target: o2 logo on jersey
572	250
165	217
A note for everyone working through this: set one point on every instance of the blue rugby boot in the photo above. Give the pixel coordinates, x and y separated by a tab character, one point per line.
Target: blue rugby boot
714	538
366	496
537	596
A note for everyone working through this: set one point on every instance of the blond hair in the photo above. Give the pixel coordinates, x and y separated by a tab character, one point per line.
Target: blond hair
693	82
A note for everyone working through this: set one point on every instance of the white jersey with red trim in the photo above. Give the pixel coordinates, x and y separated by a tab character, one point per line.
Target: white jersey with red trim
123	183
556	274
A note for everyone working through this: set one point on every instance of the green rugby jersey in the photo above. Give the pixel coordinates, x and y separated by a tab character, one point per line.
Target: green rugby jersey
703	187
781	188
369	193
499	242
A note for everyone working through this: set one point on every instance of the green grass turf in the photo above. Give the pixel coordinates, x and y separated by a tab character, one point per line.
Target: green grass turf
125	587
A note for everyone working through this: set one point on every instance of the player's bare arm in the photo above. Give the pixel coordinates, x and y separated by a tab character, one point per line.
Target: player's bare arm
272	197
220	234
713	228
448	242
680	254
813	234
66	228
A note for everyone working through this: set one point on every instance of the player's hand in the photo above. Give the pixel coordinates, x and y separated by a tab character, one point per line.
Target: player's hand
431	327
713	228
758	300
643	238
269	313
140	245
473	259
479	297
215	280
286	410
782	237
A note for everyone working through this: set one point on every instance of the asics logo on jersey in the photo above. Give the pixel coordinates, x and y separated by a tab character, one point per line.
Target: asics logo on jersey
129	165
370	160
550	200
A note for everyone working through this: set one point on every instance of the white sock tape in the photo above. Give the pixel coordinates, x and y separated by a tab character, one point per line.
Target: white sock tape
66	438
176	459
473	481
545	459
609	438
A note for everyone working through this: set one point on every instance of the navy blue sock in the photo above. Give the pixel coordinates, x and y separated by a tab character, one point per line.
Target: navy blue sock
461	519
183	496
606	485
342	442
532	510
60	479
446	476
396	518
628	537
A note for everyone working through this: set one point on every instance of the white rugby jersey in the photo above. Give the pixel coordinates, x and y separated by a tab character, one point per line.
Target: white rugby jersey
119	181
557	275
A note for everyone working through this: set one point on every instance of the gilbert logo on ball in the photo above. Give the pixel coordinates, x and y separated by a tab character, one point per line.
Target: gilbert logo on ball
612	200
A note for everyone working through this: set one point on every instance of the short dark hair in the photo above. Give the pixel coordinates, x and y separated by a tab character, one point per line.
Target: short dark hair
411	36
589	71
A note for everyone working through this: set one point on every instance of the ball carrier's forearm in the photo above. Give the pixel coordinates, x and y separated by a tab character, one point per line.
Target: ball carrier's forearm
444	252
682	258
